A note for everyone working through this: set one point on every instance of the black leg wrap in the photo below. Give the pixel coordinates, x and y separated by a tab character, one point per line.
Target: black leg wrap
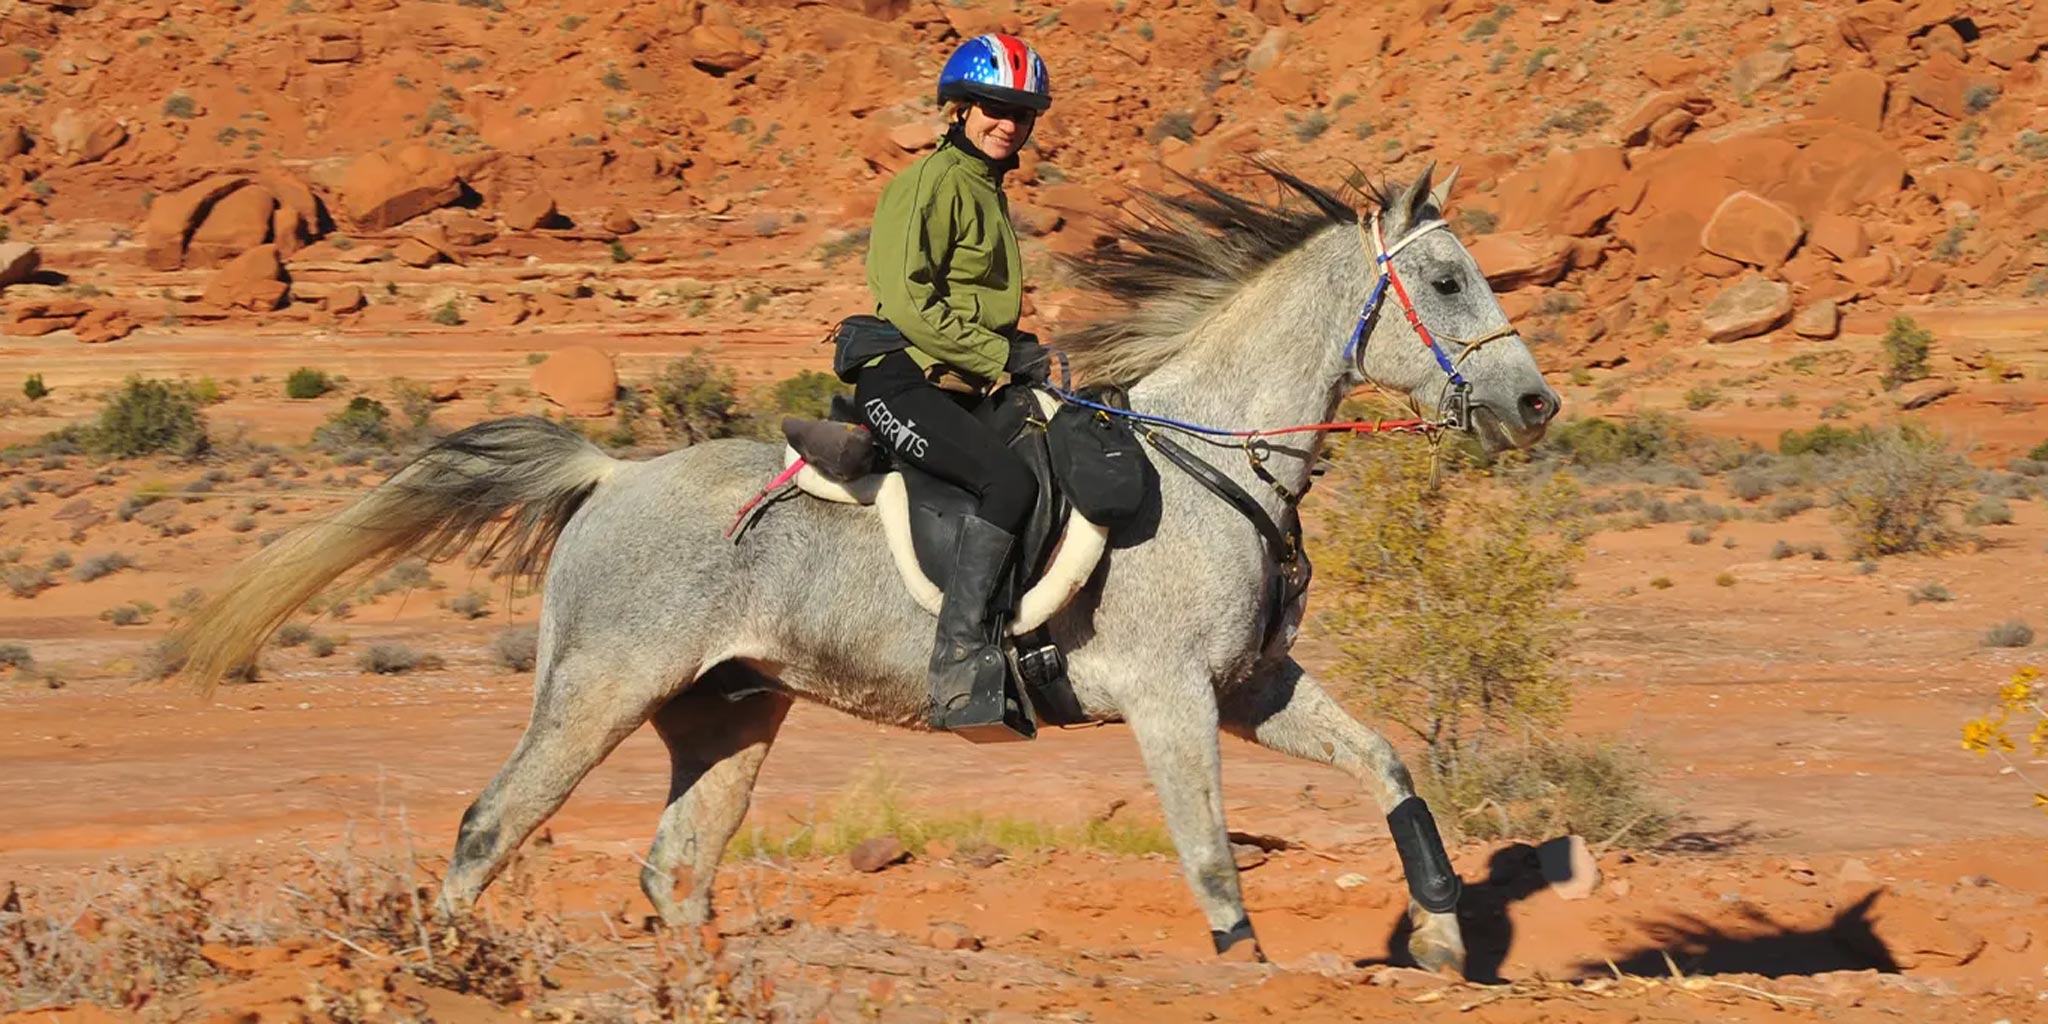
1238	932
1430	878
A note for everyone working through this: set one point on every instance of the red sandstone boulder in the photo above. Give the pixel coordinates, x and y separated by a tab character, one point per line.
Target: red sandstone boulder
253	281
1749	228
580	379
388	187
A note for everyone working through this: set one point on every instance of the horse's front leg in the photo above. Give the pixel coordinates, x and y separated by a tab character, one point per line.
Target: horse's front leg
1175	725
1284	709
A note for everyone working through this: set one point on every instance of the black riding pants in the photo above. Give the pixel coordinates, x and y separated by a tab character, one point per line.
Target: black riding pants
931	428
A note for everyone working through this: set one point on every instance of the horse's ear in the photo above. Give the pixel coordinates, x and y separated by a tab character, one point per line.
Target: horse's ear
1414	199
1440	195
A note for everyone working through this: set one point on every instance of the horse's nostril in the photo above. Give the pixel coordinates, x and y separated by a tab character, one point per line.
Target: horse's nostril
1538	407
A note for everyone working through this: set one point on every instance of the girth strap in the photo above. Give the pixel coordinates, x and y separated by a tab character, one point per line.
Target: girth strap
1284	544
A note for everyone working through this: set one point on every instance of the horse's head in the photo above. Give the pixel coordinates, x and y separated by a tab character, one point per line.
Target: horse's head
1427	277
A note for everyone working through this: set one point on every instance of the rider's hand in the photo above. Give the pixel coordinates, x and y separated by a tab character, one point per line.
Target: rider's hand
1029	361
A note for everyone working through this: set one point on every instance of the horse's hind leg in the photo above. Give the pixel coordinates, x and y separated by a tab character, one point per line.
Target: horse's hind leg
715	748
1286	710
584	704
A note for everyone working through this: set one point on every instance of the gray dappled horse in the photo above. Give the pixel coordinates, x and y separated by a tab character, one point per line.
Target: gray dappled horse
1239	314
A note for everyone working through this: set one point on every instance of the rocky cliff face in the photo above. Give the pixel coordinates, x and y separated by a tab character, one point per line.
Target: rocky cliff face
1632	173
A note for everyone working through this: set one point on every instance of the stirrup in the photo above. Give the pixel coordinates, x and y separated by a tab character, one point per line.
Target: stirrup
985	714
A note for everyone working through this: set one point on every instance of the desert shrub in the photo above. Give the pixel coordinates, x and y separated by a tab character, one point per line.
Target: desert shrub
1699	535
696	399
24	581
1989	512
1934	592
1905	351
1894	494
33	388
149	417
320	645
1597	441
292	634
471	605
1825	439
1542	787
516	647
1726	579
411	574
101	565
1781	550
1786	506
1750	483
306	382
16	656
124	615
363	423
1458	666
58	562
1704	396
808	394
2011	633
391	659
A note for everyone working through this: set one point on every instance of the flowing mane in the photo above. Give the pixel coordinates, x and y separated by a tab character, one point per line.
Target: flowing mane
1176	258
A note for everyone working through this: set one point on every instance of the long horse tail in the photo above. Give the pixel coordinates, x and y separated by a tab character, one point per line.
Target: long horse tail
450	496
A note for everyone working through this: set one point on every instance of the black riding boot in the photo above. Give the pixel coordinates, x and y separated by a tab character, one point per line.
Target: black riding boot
969	675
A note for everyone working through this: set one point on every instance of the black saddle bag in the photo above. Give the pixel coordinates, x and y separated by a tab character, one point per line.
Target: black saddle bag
859	339
1099	462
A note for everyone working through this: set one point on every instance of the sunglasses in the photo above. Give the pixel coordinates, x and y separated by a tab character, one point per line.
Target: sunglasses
1007	112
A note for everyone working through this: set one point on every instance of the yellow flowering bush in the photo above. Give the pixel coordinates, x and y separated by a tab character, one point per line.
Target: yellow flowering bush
2019	704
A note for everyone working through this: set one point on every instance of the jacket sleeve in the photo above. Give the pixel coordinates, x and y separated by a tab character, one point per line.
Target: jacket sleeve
907	270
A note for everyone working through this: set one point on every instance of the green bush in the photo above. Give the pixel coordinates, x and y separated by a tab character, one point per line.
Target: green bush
1905	351
697	400
390	659
1459	666
1824	440
1543	787
808	394
149	417
33	387
1895	493
1596	441
306	382
363	423
2039	453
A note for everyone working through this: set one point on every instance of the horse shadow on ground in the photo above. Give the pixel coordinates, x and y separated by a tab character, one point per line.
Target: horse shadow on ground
1760	945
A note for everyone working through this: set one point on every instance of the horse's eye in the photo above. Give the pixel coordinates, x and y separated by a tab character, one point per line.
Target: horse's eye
1446	286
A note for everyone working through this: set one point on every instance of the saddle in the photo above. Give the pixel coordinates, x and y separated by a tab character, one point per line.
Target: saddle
1057	548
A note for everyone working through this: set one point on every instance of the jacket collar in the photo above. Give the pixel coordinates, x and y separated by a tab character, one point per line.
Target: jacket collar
956	137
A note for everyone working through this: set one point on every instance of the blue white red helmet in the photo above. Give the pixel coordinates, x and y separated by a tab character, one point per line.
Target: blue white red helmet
998	68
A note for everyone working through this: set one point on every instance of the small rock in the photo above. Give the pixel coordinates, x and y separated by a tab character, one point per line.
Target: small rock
414	252
446	390
1620	888
721	49
1926	394
103	325
1751	306
1352	880
1823	319
1759	69
2017	938
619	222
18	262
1840	236
530	211
346	298
1855	871
980	855
949	936
1408	977
253	281
1247	856
388	187
872	855
466	229
1568	866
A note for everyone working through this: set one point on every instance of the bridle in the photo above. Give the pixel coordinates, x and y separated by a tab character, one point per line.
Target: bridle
1454	406
1284	542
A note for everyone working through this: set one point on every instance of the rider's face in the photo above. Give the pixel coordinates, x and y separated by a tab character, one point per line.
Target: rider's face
999	130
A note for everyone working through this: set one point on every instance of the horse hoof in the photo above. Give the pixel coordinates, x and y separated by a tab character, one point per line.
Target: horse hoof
1436	956
1243	951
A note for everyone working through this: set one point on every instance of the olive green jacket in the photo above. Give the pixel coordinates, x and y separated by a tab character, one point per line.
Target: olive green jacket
943	262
